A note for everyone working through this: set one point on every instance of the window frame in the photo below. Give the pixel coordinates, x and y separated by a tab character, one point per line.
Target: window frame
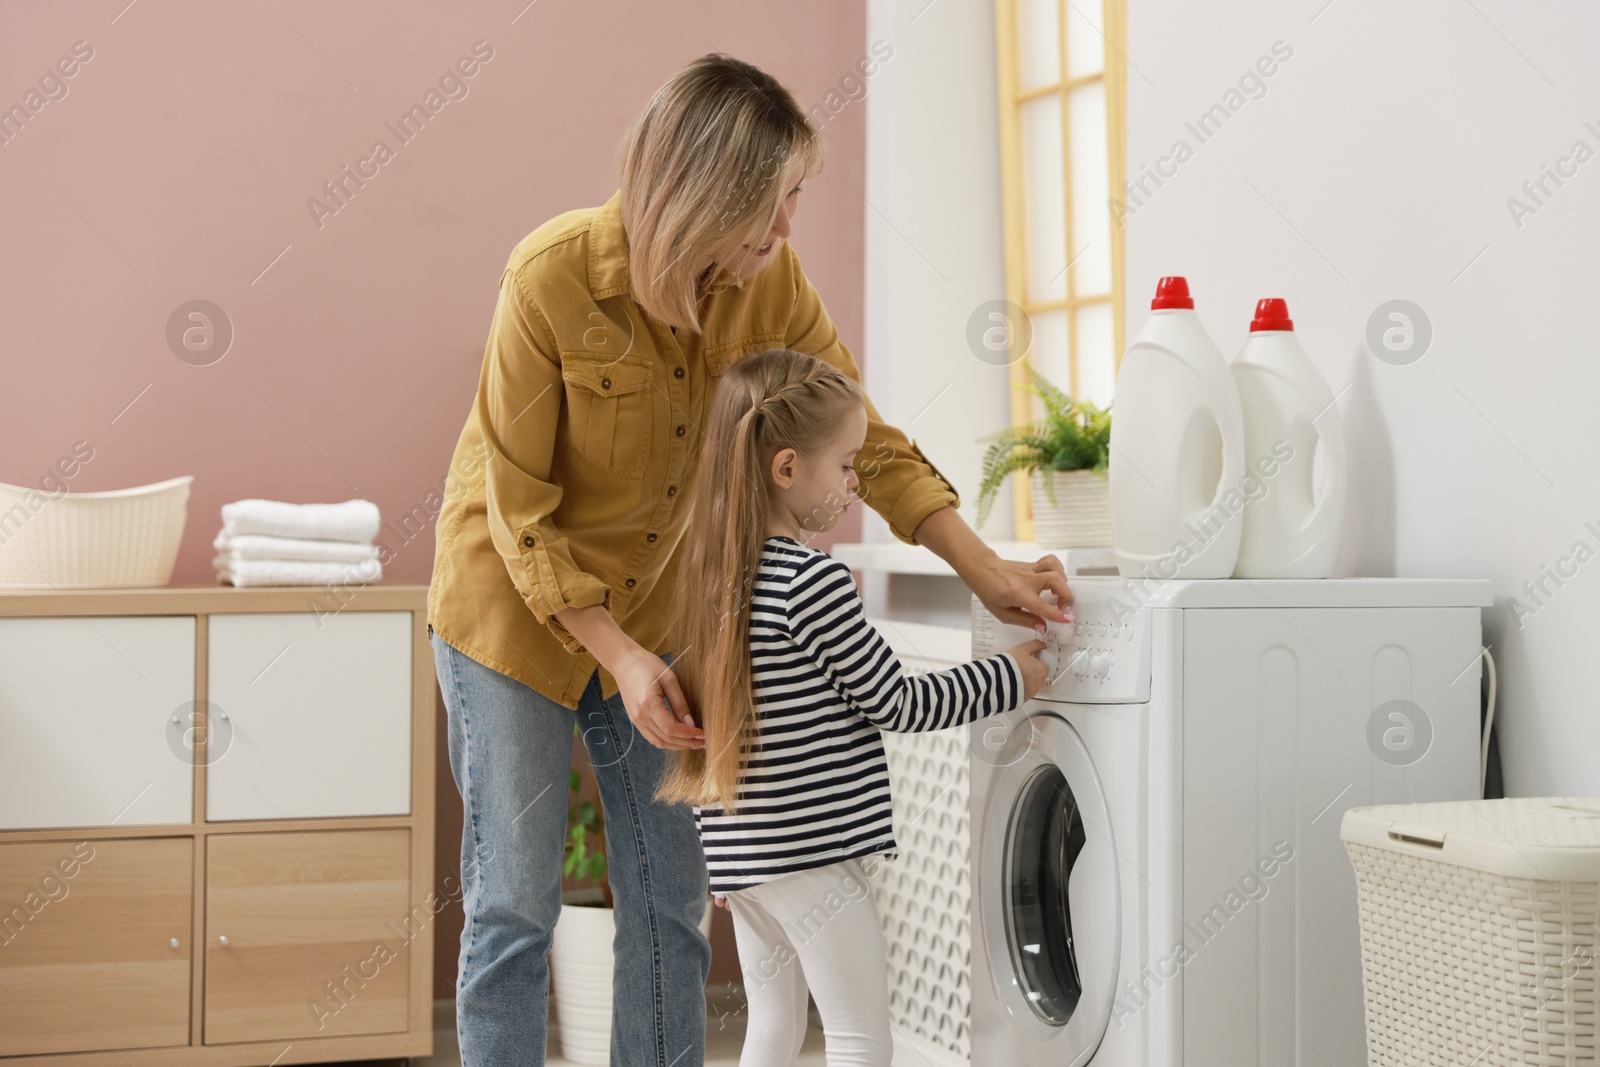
1024	407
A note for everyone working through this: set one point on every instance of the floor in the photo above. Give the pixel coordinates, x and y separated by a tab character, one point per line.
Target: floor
724	1038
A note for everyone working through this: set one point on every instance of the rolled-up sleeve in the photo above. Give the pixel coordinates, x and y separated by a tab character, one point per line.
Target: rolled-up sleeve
897	480
519	400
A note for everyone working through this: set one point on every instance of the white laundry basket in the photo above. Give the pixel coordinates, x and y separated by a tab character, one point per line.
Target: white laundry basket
124	537
1479	927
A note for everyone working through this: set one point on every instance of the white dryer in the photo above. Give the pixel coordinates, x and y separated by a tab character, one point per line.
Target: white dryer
1157	875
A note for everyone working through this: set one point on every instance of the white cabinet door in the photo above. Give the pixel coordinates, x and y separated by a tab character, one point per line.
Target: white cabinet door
1295	703
87	736
318	715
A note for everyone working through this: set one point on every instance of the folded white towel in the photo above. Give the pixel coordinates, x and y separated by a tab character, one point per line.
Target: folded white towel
253	572
261	546
353	520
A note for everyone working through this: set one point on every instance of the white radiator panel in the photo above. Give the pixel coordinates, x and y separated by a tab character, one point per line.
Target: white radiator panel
923	897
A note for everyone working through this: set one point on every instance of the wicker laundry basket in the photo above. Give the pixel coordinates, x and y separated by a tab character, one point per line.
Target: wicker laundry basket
1479	928
122	537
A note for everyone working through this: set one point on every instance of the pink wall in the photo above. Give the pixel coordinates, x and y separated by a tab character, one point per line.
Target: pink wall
178	164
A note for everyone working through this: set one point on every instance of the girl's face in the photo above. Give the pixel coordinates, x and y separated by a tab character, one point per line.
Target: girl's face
747	261
812	492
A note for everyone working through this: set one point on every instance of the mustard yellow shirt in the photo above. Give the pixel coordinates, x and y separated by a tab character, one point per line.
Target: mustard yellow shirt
574	476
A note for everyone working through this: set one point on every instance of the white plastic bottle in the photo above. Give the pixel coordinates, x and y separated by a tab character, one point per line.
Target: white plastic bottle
1177	449
1290	530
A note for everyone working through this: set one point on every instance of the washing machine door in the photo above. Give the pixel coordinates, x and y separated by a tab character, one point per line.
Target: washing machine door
1050	904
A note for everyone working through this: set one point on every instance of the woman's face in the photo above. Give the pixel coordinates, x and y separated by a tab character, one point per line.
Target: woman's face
747	261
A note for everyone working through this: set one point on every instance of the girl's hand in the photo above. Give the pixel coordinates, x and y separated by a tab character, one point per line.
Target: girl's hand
654	700
1034	669
721	902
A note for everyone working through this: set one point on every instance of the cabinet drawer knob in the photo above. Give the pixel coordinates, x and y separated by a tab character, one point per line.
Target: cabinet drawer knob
222	939
173	942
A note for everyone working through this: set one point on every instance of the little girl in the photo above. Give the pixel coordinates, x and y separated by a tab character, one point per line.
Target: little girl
792	685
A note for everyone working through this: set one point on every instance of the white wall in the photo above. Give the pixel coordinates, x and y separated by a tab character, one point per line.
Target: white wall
1378	165
934	245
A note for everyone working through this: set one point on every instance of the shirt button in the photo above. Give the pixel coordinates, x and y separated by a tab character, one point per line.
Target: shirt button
680	431
605	383
677	372
528	541
650	537
630	583
672	490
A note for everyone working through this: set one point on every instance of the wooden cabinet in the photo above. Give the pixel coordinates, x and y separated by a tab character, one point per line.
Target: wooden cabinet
307	935
95	944
92	714
216	827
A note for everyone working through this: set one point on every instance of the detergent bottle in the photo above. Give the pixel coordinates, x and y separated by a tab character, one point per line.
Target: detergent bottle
1290	529
1177	449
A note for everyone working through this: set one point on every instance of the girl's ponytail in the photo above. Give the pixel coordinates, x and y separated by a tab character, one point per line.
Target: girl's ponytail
763	403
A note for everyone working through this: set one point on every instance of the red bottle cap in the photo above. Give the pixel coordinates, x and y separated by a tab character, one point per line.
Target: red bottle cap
1272	314
1172	292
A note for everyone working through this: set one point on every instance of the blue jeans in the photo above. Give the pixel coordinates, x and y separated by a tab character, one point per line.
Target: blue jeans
511	753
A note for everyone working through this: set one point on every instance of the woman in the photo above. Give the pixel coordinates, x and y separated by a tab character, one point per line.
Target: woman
570	489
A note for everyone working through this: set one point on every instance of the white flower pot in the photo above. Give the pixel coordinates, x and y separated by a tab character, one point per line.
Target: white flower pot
581	963
1081	515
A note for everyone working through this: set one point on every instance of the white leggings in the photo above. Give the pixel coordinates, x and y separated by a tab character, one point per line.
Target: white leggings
816	927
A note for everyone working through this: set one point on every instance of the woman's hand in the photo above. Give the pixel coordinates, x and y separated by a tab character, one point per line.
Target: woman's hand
654	700
1012	590
649	690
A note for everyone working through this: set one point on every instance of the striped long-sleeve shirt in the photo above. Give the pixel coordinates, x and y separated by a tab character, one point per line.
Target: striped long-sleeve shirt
815	782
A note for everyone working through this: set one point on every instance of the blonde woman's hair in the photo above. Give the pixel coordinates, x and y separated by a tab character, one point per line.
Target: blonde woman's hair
703	170
764	403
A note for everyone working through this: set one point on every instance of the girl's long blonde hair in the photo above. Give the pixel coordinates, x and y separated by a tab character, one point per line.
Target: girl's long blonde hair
703	170
777	399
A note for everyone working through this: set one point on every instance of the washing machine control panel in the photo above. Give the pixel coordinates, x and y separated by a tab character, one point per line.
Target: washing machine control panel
1101	657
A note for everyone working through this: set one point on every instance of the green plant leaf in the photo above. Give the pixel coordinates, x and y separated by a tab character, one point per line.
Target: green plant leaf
587	814
584	856
996	470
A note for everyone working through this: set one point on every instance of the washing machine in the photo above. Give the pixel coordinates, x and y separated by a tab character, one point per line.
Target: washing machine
1157	875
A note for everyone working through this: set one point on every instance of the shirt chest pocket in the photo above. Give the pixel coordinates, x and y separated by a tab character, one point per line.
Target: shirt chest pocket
609	409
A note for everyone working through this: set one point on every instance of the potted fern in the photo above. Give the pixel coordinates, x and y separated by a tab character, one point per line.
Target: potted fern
1066	455
581	959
